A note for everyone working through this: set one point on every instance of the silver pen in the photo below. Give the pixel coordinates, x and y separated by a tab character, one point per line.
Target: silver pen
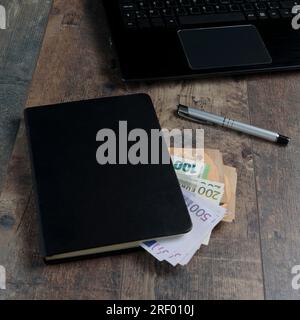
209	118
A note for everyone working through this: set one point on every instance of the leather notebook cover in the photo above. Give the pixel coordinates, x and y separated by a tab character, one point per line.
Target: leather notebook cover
86	208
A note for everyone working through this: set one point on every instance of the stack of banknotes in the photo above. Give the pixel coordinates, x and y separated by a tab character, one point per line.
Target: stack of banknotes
209	190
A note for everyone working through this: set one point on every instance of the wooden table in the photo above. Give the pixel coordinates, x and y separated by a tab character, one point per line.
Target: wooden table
249	259
19	49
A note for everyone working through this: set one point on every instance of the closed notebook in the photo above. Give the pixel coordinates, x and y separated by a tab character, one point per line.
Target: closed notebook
86	208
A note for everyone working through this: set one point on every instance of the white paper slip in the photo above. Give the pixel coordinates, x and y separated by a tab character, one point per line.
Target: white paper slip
205	215
151	247
185	260
207	238
209	190
156	248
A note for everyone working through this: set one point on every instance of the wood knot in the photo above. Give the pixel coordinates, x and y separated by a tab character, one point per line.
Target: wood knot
246	153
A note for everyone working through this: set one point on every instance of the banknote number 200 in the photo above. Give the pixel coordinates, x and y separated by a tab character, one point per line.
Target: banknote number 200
208	193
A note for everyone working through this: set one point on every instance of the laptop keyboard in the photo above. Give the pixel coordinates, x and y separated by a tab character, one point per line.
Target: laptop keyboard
149	14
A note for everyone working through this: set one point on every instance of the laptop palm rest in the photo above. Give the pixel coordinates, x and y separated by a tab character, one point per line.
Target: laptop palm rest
223	47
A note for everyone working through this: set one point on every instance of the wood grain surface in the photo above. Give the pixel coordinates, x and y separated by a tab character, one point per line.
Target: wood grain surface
19	48
248	259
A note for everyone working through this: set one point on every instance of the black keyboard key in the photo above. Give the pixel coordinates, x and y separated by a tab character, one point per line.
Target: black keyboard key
128	6
235	8
158	4
158	23
211	2
167	12
261	6
212	18
127	15
273	14
144	24
247	7
130	24
262	15
171	22
185	3
195	10
199	2
154	13
251	16
221	8
142	14
143	5
171	4
181	11
208	9
286	13
287	4
274	5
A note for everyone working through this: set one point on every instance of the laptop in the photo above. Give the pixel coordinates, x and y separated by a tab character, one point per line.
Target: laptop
177	39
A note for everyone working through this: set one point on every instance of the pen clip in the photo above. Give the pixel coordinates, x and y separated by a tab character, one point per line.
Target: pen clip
185	116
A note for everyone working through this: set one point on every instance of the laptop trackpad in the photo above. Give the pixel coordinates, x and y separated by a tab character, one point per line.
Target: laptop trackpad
223	47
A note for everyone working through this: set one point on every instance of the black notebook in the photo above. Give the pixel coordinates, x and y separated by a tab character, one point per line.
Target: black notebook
87	208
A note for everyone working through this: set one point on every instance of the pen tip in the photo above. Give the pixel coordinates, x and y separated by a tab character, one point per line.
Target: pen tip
283	140
182	108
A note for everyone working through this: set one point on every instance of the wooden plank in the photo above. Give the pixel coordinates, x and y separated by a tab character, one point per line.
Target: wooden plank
11	101
22	39
19	48
274	103
76	62
217	270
